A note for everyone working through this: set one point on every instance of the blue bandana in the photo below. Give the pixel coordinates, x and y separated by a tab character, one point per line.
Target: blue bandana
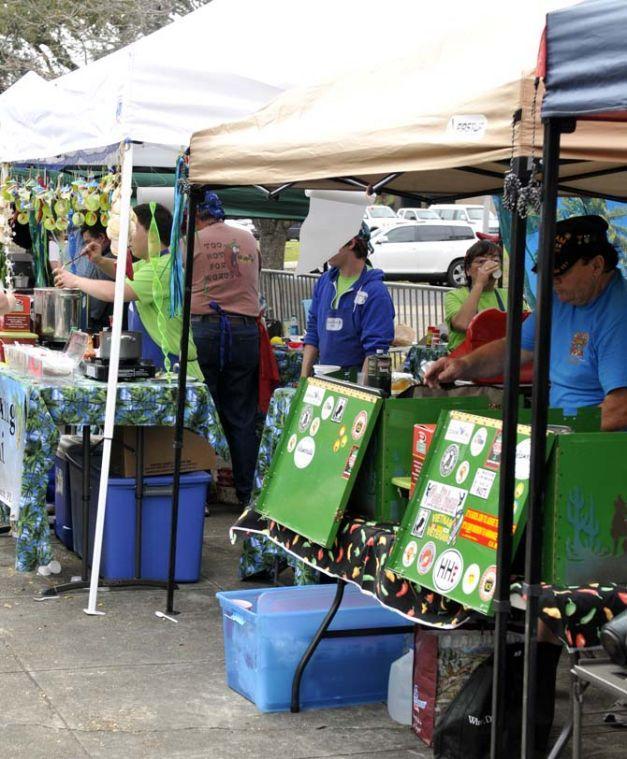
212	205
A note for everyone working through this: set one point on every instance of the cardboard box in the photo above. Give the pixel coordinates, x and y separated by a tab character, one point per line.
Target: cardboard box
197	454
423	435
18	320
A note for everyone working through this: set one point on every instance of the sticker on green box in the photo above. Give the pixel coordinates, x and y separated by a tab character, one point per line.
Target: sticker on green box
449	536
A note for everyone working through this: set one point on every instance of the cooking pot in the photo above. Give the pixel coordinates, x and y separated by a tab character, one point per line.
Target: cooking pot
130	345
57	312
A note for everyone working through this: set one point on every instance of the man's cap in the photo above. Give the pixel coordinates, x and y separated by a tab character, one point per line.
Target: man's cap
576	238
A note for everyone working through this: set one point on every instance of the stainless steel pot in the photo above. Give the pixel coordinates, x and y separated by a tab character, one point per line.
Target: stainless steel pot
67	313
57	312
130	346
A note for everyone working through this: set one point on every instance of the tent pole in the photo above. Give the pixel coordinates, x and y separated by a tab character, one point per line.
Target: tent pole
539	418
114	363
180	408
501	602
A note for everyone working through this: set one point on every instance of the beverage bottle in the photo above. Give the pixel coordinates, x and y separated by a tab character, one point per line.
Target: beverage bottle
293	327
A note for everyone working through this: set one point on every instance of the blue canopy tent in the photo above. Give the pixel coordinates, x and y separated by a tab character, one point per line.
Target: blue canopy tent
583	61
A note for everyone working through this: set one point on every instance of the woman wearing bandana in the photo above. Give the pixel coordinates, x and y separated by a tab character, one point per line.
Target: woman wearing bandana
148	291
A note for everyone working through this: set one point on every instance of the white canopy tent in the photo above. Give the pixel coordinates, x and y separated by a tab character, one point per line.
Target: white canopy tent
217	64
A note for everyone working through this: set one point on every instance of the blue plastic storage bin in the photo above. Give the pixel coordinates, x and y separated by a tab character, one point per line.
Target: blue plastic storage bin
118	545
264	643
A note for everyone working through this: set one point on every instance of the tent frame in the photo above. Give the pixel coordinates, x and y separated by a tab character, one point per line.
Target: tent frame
510	423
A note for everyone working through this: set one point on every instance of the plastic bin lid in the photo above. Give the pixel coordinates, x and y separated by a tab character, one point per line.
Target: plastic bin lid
308	598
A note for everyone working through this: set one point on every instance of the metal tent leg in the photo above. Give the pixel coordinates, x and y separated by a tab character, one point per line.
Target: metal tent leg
540	403
507	483
180	408
339	594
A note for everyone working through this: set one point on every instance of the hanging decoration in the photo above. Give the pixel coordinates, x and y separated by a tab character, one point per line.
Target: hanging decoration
527	199
181	193
6	238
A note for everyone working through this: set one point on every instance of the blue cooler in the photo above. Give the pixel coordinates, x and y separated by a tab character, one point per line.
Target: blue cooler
118	545
267	631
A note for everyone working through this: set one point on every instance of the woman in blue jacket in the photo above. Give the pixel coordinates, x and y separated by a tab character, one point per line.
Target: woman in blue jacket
351	315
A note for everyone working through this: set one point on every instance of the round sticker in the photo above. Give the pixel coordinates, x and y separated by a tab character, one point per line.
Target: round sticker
327	407
343	440
447	571
519	490
487	584
479	439
336	446
448	460
359	425
462	472
315	426
523	459
306	415
342	431
409	554
471	579
291	443
426	558
304	453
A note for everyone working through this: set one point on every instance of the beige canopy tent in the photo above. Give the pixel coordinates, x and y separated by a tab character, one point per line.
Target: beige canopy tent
440	118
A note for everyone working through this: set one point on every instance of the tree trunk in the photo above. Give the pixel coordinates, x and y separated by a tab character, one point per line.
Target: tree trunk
272	239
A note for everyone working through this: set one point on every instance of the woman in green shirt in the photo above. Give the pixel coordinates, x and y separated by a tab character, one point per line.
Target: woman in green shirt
148	291
483	265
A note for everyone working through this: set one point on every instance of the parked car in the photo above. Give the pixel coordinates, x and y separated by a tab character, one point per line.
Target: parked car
379	217
293	233
417	214
469	214
424	250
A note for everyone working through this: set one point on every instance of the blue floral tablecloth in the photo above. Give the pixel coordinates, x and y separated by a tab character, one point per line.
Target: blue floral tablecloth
145	404
289	362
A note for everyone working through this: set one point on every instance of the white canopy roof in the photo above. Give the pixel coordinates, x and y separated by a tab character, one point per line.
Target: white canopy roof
217	64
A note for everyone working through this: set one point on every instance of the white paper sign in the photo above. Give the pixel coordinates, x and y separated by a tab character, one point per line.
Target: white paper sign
470	126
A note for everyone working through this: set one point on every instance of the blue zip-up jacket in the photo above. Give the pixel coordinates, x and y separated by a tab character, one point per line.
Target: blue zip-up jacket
362	323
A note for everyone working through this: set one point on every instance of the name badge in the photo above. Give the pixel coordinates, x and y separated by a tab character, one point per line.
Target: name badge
361	297
334	323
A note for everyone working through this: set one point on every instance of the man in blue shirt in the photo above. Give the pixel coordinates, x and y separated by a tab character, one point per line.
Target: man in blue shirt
351	315
589	328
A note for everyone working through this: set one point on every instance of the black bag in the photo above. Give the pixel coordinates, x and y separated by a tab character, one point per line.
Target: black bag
464	731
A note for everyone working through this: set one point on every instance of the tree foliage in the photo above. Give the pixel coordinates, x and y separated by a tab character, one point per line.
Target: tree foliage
52	37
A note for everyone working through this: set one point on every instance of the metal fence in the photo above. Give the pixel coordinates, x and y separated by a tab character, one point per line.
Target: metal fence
416	305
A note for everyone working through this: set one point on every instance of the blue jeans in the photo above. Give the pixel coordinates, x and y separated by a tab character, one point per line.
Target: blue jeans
235	391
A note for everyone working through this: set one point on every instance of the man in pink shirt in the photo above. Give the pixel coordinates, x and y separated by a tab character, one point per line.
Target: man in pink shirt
225	308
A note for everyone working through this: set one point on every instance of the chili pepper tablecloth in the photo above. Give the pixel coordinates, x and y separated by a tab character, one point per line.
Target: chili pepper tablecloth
573	614
147	404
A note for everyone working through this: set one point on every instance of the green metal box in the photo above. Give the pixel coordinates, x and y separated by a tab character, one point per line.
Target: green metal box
585	517
389	452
